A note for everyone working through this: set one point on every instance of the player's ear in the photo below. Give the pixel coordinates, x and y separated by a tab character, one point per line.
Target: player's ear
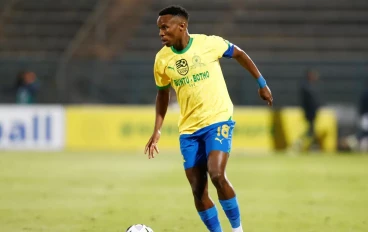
183	26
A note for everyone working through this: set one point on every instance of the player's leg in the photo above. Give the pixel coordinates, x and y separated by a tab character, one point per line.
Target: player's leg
196	171
217	161
216	165
310	136
197	177
218	146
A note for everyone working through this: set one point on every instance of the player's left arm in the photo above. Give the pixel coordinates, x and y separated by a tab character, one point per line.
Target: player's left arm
245	61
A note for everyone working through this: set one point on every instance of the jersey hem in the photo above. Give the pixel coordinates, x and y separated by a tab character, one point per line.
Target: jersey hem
189	132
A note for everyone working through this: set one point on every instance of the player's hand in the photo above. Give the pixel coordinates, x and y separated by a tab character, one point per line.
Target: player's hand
265	94
151	146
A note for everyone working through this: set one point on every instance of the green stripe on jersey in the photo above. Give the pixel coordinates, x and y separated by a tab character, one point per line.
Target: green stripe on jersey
185	49
163	87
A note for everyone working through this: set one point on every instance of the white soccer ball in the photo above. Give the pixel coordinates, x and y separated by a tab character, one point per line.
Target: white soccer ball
139	228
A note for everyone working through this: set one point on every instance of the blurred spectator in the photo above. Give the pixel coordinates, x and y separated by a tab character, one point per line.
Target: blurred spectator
26	87
363	113
359	141
310	104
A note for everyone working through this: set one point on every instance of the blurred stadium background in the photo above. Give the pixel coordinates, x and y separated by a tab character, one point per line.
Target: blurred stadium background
94	112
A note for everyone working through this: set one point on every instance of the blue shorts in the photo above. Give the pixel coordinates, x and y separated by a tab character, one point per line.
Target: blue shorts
196	147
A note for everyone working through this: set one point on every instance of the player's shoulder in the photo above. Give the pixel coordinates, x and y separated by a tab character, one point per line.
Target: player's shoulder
164	51
199	36
163	56
204	37
209	40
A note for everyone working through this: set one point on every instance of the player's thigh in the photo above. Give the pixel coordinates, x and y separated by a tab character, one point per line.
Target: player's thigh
192	150
216	163
220	137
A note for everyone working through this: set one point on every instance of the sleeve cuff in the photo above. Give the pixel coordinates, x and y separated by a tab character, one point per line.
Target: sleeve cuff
229	52
163	87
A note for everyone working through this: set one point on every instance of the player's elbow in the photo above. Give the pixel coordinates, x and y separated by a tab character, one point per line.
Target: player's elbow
238	52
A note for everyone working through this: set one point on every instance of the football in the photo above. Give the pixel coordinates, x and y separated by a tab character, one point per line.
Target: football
139	228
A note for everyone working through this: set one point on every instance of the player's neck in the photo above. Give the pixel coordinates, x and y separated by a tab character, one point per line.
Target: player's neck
183	43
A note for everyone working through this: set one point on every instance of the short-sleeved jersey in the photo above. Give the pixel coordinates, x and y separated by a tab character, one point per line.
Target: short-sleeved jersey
196	76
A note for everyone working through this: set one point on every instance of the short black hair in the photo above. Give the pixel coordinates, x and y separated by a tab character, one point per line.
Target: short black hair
176	11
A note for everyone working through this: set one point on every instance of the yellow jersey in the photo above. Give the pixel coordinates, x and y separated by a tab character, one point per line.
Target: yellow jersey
196	76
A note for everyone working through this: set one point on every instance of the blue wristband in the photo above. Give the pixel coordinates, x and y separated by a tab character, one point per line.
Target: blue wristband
261	82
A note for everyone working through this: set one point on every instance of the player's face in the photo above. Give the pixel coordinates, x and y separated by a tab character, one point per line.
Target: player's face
171	29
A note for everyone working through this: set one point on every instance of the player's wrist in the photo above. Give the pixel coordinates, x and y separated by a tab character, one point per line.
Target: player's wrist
261	82
156	131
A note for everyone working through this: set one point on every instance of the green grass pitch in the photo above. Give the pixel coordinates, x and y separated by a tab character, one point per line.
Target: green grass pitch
107	192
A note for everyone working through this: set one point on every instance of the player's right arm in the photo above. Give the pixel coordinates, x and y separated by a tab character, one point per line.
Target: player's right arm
162	103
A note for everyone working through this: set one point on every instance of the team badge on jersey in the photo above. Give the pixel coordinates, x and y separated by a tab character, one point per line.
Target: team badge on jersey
182	67
197	62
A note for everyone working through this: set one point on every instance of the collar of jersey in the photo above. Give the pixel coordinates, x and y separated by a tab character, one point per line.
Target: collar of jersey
185	49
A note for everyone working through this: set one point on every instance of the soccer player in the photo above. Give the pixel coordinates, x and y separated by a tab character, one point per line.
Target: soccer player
189	63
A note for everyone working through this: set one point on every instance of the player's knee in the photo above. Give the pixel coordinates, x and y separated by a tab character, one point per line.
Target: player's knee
197	194
200	194
218	179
